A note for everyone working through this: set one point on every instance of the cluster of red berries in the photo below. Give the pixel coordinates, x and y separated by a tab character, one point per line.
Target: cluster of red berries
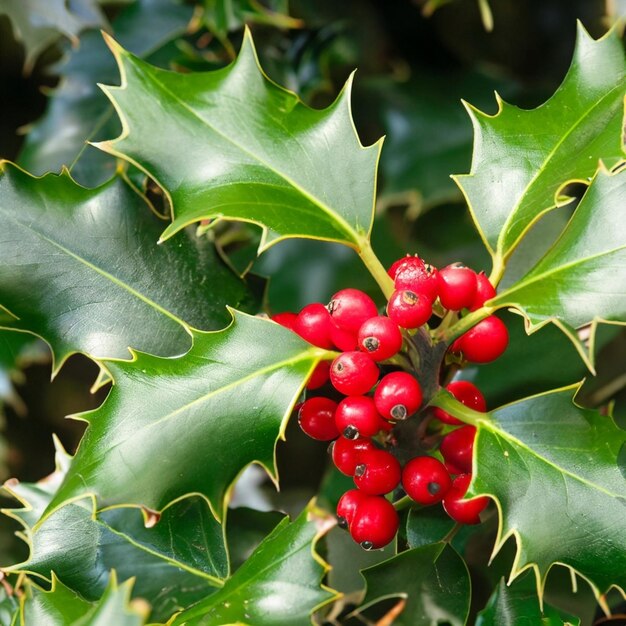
360	423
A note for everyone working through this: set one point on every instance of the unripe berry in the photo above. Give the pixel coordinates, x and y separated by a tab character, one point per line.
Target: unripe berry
457	287
286	319
398	396
466	393
409	309
425	480
375	523
346	453
457	448
484	291
347	506
343	340
380	338
356	416
313	325
317	418
377	473
418	277
463	511
353	373
349	308
319	375
484	342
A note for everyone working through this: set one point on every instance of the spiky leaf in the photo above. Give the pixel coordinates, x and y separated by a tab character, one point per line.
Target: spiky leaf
81	268
522	159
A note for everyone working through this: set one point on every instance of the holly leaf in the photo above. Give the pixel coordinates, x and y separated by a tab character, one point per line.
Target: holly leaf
235	146
81	269
433	581
172	427
278	584
9	608
78	111
63	607
523	159
553	467
574	284
518	605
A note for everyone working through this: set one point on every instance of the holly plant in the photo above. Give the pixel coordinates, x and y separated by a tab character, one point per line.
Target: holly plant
142	257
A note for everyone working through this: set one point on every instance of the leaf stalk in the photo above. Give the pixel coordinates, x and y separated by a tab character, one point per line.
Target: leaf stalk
376	268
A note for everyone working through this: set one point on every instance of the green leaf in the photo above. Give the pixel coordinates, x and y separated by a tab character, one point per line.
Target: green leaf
552	466
9	608
171	427
77	109
278	584
522	159
432	579
62	607
233	145
577	281
39	23
518	605
81	269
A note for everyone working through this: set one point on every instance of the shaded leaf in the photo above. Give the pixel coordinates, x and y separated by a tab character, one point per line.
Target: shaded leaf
81	268
278	584
9	608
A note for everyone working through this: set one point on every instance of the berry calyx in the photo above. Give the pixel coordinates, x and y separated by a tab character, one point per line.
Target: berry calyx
319	375
457	287
409	309
484	342
466	393
457	448
347	506
484	291
356	416
349	308
317	418
375	523
346	453
419	277
380	338
463	511
313	325
398	396
378	472
286	319
426	480
353	373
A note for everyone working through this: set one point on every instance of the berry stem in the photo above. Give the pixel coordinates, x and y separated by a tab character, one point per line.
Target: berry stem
497	270
406	502
376	268
452	534
450	333
446	401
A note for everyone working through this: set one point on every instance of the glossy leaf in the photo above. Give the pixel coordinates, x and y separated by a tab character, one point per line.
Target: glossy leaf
77	109
172	427
522	159
578	280
518	605
234	145
278	584
552	466
432	579
81	268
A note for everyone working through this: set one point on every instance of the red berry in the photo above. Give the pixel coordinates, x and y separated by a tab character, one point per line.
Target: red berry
286	319
353	373
346	453
466	393
313	325
317	418
425	480
397	396
484	291
349	308
457	447
409	309
356	416
343	340
457	287
407	262
380	338
484	342
347	505
319	376
463	511
418	277
378	472
375	523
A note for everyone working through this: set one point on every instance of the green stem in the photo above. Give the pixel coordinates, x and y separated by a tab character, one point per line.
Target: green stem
376	268
452	534
497	270
405	503
463	325
446	401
